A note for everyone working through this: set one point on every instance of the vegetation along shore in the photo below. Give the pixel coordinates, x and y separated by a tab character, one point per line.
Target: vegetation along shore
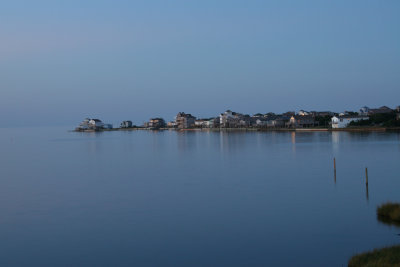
388	256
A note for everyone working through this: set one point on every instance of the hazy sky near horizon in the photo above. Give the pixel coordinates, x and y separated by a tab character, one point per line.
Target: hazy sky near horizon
61	61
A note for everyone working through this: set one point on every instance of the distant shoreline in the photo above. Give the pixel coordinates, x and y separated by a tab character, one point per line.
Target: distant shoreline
350	129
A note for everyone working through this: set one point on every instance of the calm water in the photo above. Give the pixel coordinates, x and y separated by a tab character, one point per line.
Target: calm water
193	199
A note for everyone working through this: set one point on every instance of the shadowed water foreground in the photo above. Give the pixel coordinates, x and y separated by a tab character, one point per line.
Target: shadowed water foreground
143	198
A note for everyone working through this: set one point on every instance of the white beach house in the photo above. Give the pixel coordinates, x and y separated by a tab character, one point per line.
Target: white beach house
344	121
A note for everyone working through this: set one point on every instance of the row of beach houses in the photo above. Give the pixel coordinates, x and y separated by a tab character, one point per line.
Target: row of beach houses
230	119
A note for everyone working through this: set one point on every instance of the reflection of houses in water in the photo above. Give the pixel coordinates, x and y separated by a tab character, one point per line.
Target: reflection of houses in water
227	141
335	137
293	140
186	140
335	141
94	145
232	141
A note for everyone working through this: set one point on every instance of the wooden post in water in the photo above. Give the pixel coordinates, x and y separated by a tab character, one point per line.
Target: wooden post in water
366	182
334	164
334	168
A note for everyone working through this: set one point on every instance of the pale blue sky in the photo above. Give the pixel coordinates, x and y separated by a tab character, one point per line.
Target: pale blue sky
61	61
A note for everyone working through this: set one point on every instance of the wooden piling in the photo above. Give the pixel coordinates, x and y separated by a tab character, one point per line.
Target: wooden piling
334	176
366	176
334	169
334	164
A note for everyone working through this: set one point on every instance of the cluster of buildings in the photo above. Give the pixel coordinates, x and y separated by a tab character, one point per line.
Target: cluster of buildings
230	119
93	124
155	123
291	119
344	119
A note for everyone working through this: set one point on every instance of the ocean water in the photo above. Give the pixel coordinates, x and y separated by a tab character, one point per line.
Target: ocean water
166	198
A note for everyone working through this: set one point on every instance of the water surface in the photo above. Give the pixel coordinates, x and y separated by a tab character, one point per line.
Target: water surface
143	198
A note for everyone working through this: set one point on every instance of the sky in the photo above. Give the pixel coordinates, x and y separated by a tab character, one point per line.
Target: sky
62	61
